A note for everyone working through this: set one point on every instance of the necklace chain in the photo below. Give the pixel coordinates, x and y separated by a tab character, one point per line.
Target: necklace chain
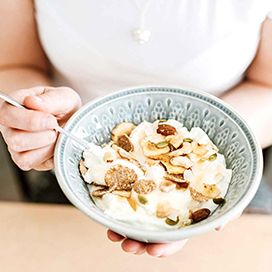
141	34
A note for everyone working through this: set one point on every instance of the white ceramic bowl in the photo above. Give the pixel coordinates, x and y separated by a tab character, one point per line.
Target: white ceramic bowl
224	126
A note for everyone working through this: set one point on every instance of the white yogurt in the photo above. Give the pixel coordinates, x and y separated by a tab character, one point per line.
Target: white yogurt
208	172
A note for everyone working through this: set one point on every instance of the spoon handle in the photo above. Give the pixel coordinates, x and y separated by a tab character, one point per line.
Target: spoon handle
13	102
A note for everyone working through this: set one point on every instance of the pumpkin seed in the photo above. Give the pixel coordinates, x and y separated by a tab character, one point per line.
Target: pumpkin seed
114	146
219	200
213	157
162	121
171	222
188	140
162	144
142	199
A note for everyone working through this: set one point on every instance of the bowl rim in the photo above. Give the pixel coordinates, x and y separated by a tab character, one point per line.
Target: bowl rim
161	235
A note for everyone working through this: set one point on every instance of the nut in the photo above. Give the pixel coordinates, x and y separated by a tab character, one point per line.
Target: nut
120	177
167	186
188	140
142	199
122	193
210	190
100	192
186	149
199	149
120	129
171	222
151	150
163	209
197	196
162	144
182	161
82	168
110	157
175	140
200	215
151	162
144	186
182	185
124	142
166	130
127	156
212	157
165	161
219	200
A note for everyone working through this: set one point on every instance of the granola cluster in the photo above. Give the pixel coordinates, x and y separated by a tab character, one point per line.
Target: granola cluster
127	167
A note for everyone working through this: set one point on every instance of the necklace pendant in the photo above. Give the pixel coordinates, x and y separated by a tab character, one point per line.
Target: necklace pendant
141	35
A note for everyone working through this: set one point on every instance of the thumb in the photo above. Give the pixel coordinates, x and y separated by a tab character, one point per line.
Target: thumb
56	101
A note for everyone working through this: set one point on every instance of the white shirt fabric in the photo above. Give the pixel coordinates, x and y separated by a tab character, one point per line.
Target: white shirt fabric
202	44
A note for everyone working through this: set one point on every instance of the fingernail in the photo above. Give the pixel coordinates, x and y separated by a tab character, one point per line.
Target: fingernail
50	123
38	98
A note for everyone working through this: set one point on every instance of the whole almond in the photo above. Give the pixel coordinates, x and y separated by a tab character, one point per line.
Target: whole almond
166	130
200	215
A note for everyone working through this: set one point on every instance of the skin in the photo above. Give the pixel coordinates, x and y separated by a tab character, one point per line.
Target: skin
29	134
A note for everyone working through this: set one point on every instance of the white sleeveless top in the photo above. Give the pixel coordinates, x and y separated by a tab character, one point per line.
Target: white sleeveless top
203	44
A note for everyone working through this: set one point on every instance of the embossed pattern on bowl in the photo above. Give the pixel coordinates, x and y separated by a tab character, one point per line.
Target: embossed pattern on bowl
223	125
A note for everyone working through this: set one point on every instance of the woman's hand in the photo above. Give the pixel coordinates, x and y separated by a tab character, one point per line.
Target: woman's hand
156	250
29	132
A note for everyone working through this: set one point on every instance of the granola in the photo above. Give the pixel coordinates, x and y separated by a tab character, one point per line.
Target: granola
156	175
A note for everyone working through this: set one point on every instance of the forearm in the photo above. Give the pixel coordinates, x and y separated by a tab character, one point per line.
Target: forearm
254	102
12	79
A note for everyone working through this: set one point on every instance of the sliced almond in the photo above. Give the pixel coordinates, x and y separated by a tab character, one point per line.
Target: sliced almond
151	162
151	150
210	190
184	150
124	142
182	161
175	140
120	129
82	168
127	156
167	186
197	196
199	149
165	161
143	186
163	209
120	177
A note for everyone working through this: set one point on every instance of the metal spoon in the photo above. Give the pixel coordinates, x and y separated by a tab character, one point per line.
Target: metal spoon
13	102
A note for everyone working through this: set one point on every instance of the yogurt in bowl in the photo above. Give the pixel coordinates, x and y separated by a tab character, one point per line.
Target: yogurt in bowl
95	121
156	175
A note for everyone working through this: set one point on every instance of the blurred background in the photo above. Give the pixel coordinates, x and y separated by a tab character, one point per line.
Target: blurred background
30	186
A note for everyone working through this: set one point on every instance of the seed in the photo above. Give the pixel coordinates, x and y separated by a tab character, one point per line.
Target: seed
219	200
114	146
142	199
171	222
188	140
162	121
162	144
213	157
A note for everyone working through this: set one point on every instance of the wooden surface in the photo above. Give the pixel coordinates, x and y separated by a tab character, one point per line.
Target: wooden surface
35	237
